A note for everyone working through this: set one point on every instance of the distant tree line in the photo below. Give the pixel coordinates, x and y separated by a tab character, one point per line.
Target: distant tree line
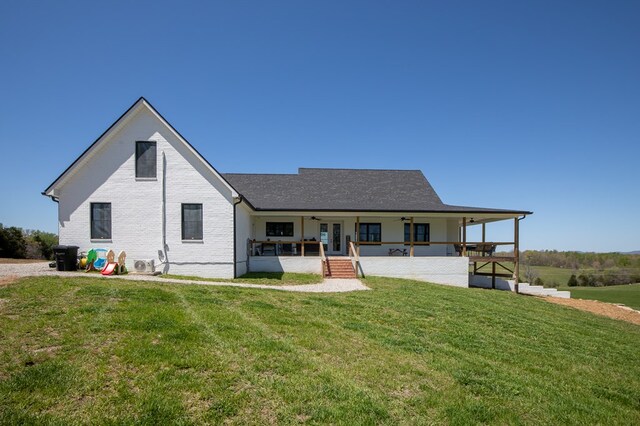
589	269
17	243
581	260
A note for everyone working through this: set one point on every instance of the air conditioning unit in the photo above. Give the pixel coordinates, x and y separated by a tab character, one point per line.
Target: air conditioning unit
144	267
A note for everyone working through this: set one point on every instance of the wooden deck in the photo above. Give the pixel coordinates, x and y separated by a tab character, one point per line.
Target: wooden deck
491	259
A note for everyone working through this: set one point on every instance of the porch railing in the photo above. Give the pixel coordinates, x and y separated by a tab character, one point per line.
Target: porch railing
316	248
462	248
285	248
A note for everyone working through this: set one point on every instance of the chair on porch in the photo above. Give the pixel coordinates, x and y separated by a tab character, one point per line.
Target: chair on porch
311	247
268	249
486	249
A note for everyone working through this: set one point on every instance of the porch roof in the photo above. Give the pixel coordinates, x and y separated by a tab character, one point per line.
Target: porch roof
346	190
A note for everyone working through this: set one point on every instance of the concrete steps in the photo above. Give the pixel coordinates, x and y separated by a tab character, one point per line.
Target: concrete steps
537	290
339	267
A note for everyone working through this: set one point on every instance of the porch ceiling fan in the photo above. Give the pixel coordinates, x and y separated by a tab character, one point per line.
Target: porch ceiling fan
315	218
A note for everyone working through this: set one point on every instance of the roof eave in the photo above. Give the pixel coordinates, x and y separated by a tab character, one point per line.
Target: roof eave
509	212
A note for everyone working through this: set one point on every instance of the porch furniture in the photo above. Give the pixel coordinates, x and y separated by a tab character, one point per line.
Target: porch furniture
311	247
285	249
268	249
485	249
396	252
470	248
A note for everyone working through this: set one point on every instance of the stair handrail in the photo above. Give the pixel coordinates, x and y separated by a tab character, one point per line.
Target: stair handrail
323	259
355	258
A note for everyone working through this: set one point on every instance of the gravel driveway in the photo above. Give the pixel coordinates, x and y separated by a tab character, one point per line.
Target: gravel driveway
11	271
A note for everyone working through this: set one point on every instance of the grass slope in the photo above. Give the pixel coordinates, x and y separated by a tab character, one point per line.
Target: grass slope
78	350
628	294
266	278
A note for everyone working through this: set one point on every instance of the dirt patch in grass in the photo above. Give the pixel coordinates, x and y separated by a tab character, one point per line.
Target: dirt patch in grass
4	281
610	310
4	260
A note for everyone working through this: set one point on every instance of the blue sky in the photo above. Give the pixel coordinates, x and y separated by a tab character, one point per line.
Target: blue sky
524	105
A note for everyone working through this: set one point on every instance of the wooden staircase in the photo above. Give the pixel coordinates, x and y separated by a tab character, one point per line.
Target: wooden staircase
339	267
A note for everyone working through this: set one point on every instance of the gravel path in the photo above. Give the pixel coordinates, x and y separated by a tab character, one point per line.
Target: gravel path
12	271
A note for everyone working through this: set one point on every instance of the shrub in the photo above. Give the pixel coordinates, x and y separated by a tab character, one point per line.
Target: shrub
12	243
573	281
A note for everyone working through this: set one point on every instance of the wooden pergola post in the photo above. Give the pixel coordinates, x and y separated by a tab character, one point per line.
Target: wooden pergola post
483	232
411	237
302	236
358	235
464	236
516	252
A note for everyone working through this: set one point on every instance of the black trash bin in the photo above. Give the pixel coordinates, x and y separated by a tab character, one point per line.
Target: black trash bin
66	257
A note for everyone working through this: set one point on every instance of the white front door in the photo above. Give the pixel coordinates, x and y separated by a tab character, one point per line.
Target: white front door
331	237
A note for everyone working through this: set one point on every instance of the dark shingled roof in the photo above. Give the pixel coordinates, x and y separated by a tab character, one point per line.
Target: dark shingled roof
345	190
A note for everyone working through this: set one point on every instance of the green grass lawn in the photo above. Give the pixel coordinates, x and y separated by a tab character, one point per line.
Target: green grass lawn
627	294
266	278
82	350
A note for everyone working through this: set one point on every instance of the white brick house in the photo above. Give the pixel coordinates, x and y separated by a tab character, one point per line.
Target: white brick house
142	188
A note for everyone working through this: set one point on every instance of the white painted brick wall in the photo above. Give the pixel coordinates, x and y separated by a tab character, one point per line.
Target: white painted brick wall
440	270
303	265
137	205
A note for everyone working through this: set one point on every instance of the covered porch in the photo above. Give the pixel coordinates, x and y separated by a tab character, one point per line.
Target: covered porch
432	246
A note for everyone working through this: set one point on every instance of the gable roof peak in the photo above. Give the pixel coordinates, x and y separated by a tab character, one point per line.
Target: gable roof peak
140	102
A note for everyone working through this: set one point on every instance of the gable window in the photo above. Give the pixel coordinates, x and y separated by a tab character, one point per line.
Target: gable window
146	159
420	232
371	232
279	229
100	221
192	221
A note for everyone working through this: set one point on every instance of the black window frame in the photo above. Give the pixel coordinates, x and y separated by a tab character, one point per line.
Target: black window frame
368	234
407	236
153	144
196	236
93	228
271	229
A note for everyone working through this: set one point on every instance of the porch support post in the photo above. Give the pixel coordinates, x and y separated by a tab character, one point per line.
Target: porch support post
411	236
302	236
516	252
493	275
464	236
483	232
358	235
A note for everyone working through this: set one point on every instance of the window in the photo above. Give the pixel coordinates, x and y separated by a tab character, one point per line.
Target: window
100	221
371	232
146	159
192	221
420	232
279	229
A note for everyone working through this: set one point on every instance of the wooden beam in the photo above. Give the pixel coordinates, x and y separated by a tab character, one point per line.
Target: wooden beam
464	236
483	232
411	237
302	236
358	235
516	253
493	272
